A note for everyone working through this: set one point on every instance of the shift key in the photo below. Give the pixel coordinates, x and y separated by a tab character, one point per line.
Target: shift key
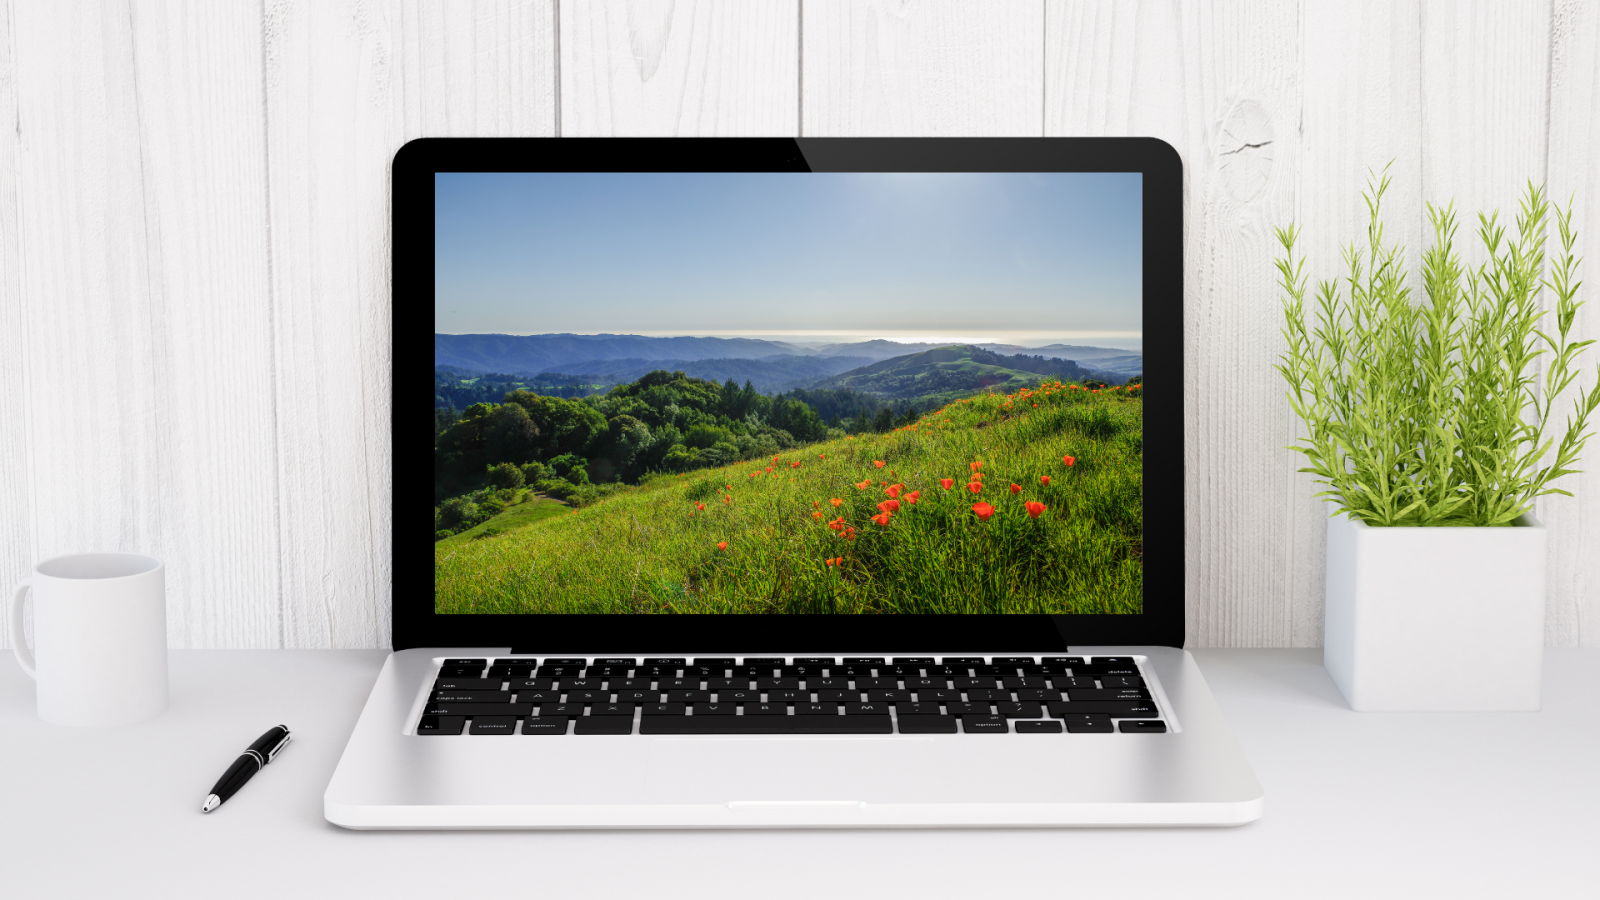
478	709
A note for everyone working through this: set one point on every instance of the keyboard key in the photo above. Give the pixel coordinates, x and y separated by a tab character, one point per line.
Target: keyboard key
842	696
1117	694
614	661
559	671
938	696
1143	726
611	709
823	661
494	725
714	709
1020	710
588	696
539	696
1038	696
1011	661
976	695
766	709
769	662
748	724
633	684
866	709
566	661
984	724
788	696
666	662
1112	682
963	662
561	709
916	709
1106	669
816	709
968	709
1062	660
532	684
715	662
739	696
895	696
581	684
510	671
827	684
1073	682
863	660
967	684
603	725
461	672
607	671
470	697
688	696
544	725
680	684
1042	726
778	684
1137	709
1112	660
478	709
468	684
927	724
926	684
877	684
441	724
1017	684
639	697
1087	724
664	709
730	684
480	663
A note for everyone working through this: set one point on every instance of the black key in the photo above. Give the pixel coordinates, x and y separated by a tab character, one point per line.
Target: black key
441	724
966	684
901	672
510	671
468	684
877	684
532	684
581	684
656	671
633	684
566	661
739	696
639	697
1072	682
714	709
927	684
1011	661
1031	671
480	663
1088	724
664	709
680	684
917	709
616	661
946	672
477	709
788	696
963	662
1043	726
1020	710
863	660
767	725
1111	660
896	696
938	696
716	662
778	684
607	671
544	725
1118	694
984	724
688	696
470	697
559	671
604	725
968	709
1112	682
706	671
1017	684
539	696
662	662
765	709
1106	669
461	672
823	661
494	725
816	709
842	696
731	684
853	671
1031	695
561	709
927	724
976	695
769	662
866	709
611	709
1136	709
1062	660
827	684
588	696
1142	726
912	661
987	672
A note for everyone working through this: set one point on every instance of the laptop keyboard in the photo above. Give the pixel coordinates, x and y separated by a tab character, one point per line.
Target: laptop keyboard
803	695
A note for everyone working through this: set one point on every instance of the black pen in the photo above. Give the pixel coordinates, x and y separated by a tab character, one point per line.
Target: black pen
249	763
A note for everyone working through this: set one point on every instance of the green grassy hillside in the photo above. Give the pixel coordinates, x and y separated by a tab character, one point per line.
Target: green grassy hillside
797	534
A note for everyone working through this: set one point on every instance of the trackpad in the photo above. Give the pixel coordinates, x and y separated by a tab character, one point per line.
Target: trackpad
728	769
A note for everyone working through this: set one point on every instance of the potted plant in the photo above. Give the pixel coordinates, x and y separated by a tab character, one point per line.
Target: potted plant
1428	420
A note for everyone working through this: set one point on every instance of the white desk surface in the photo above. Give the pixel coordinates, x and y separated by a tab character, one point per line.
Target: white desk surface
1424	805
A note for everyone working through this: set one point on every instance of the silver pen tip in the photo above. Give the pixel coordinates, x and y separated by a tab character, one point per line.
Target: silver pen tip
212	802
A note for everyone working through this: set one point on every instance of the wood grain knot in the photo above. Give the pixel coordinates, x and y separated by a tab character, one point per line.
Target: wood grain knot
1244	150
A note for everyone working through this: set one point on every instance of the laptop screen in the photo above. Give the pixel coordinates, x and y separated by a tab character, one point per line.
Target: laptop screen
847	393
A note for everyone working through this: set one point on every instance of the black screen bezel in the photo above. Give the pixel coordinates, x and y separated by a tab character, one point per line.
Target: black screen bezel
415	624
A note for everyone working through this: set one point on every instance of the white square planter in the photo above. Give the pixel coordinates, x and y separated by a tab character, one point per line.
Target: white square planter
1435	619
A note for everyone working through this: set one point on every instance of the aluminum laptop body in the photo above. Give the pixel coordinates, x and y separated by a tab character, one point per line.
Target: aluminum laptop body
677	554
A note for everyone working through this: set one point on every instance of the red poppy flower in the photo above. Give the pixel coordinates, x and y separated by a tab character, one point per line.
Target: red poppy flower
722	545
1016	488
983	510
836	501
890	506
816	514
947	483
894	490
863	485
1034	508
1069	460
794	465
822	456
878	463
837	524
975	486
769	468
700	506
1044	480
881	518
913	497
834	560
975	466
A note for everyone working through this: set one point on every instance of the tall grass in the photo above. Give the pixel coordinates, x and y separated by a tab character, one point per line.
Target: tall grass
651	550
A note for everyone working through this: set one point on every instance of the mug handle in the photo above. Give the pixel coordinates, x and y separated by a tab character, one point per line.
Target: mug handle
19	641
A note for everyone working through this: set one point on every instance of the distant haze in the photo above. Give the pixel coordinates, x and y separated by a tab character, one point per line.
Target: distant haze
804	259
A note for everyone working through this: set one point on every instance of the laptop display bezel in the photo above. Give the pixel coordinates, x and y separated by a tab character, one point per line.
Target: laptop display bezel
1161	623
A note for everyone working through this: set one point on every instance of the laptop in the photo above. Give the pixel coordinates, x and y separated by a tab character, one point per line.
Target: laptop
790	483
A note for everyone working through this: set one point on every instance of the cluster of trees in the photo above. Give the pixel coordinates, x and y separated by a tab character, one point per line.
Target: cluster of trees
455	388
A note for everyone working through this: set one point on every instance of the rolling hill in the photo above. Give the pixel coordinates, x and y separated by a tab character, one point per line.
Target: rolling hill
949	372
771	374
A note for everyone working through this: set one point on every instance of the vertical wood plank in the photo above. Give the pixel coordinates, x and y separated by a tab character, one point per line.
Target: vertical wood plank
16	529
143	304
1573	616
679	67
347	83
888	67
1221	83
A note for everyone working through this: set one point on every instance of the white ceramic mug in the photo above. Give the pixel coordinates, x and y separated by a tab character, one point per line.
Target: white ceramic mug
99	635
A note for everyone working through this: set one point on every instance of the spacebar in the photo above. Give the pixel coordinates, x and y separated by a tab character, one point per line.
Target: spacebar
765	725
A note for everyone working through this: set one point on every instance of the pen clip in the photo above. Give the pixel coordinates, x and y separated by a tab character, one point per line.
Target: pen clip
273	751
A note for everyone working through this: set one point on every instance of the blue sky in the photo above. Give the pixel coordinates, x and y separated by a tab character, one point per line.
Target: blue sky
1024	258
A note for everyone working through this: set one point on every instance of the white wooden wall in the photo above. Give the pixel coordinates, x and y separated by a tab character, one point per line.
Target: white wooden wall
194	249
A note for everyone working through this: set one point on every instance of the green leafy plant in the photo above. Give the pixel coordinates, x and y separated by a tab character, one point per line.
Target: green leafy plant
1436	413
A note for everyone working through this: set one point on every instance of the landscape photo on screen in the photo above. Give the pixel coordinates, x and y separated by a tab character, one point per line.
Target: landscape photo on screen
788	393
